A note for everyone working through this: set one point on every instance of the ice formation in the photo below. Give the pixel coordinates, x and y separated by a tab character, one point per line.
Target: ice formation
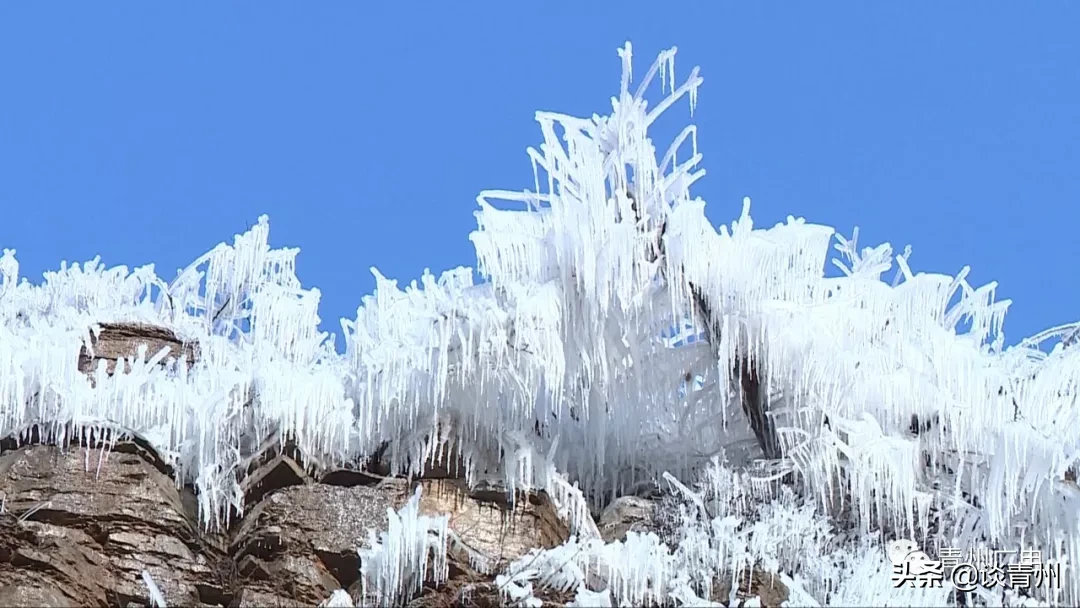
608	347
157	600
396	562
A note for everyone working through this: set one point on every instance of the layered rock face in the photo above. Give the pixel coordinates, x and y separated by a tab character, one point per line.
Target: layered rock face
89	525
78	535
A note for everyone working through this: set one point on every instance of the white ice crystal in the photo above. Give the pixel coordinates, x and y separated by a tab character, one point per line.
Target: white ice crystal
157	600
561	371
397	561
338	599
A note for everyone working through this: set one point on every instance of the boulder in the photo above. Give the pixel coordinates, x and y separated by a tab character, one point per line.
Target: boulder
76	532
301	541
495	529
120	340
625	514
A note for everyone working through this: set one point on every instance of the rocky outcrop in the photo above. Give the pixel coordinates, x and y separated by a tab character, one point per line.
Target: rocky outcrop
300	542
626	514
491	528
493	531
118	340
86	526
80	526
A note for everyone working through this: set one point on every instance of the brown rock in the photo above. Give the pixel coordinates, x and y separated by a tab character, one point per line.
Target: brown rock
756	582
253	598
118	340
625	514
79	535
486	522
79	526
301	541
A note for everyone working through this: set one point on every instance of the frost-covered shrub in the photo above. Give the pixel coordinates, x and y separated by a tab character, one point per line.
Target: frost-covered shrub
616	337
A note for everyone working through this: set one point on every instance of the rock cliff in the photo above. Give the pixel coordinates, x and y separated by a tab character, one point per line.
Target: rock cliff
88	523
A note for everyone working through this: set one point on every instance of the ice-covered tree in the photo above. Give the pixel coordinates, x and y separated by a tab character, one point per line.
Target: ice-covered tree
617	343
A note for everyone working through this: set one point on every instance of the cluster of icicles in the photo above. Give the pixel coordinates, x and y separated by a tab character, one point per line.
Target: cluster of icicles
580	361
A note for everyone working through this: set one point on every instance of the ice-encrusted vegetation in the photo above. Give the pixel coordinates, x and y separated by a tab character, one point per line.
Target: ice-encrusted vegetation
617	340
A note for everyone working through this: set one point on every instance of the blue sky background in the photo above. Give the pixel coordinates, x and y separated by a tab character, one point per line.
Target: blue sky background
365	130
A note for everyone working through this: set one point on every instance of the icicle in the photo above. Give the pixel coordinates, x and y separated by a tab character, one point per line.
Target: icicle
338	599
895	401
395	563
156	598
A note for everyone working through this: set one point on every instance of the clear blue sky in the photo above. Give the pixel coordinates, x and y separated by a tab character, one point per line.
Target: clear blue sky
365	129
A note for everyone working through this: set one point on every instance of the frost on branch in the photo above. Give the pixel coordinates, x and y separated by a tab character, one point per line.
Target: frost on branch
617	336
